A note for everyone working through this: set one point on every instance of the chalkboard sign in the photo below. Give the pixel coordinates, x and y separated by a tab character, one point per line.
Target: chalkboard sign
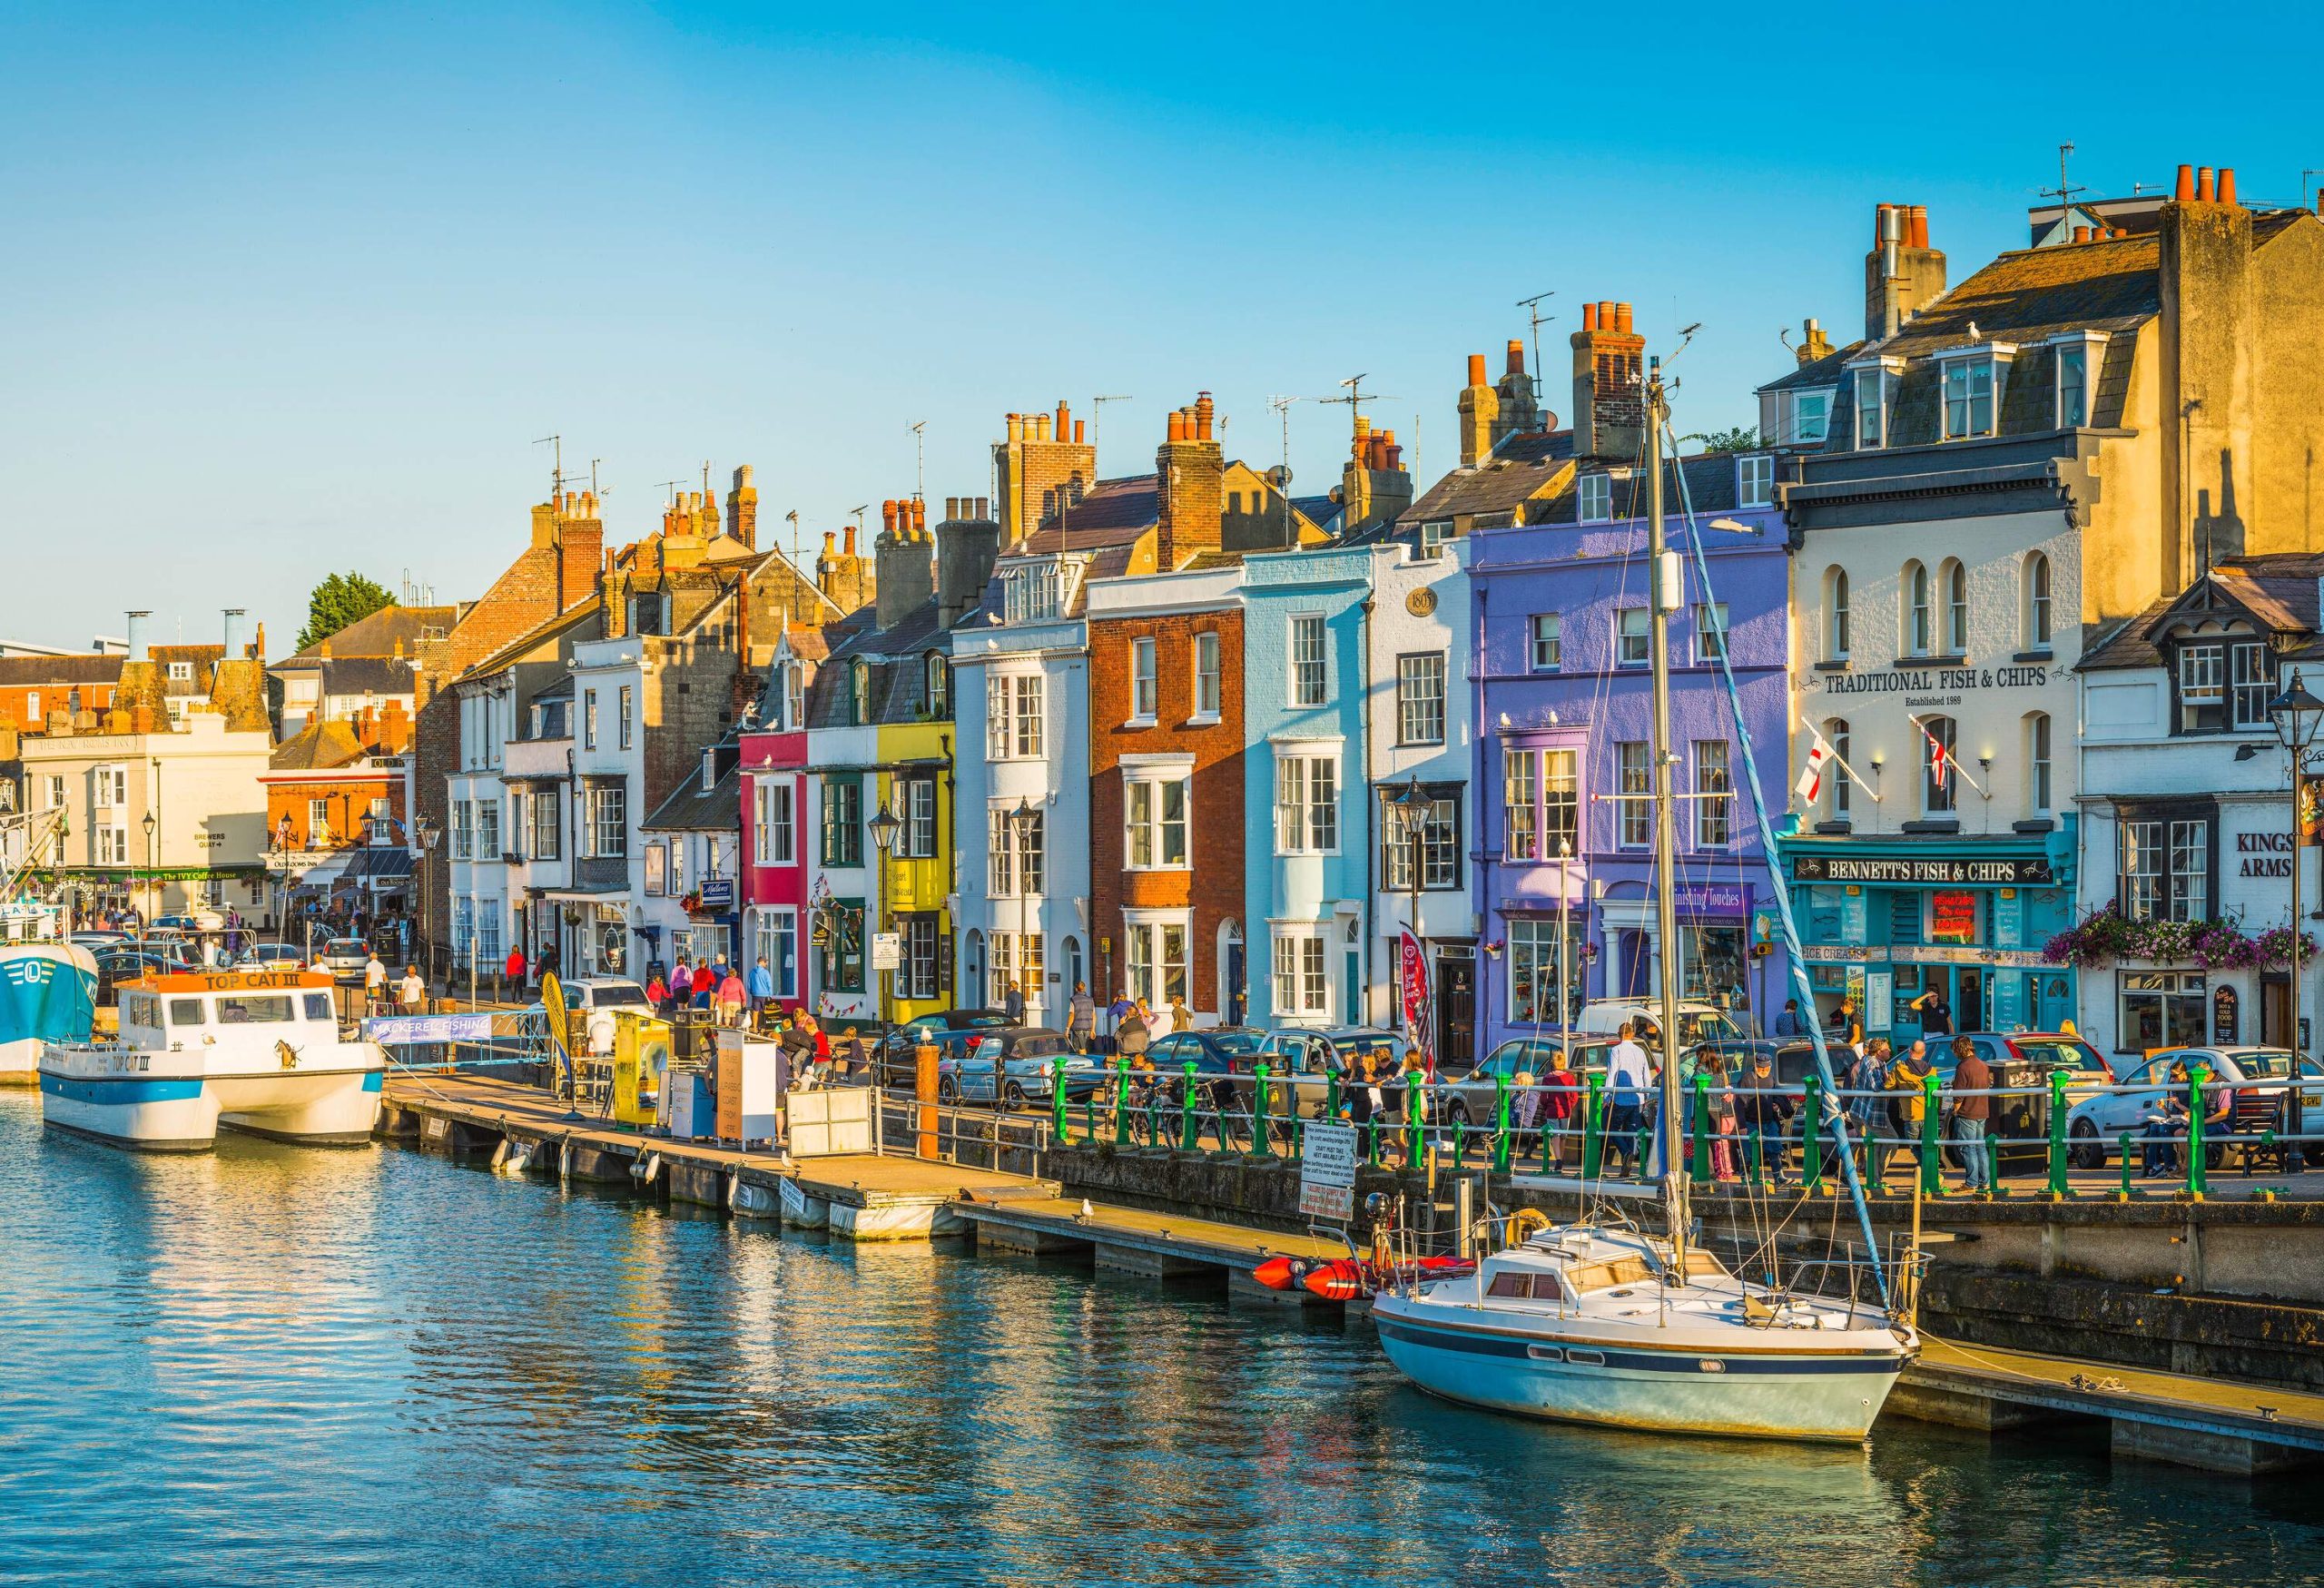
2224	1017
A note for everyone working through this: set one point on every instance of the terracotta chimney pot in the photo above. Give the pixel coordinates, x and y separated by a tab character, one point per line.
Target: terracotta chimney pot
1516	356
1477	360
1477	363
1623	319
2227	185
2203	190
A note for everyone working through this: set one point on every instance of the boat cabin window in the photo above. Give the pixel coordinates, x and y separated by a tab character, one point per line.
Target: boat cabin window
142	1008
185	1012
1603	1275
319	1006
247	1010
1526	1287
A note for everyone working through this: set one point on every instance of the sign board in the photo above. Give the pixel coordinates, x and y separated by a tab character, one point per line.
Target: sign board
1953	917
1327	1172
829	1119
887	951
717	893
396	1031
1933	872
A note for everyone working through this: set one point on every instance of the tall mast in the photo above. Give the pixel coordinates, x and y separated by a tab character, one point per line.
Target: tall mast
1664	582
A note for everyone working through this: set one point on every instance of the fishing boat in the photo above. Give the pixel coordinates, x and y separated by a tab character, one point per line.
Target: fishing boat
47	983
253	1050
1600	1322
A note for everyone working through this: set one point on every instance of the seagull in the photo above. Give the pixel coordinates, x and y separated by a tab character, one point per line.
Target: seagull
1972	332
1087	1210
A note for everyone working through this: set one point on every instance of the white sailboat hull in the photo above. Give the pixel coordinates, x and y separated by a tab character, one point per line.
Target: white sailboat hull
169	1104
1824	1394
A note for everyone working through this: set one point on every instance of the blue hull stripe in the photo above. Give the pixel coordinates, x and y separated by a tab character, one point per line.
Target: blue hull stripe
121	1091
1687	1362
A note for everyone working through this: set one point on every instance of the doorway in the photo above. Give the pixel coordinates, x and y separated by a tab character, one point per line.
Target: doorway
1969	987
1456	1006
2275	1011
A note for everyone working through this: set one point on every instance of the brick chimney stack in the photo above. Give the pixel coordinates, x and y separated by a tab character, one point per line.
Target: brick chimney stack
966	547
743	508
1374	486
2210	324
905	557
1609	398
579	534
1902	275
1520	410
1813	343
1480	422
1038	467
1190	486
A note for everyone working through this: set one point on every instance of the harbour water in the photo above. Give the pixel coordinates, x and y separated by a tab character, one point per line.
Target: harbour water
274	1365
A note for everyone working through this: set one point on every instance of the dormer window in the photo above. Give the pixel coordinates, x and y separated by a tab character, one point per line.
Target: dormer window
2073	387
1755	481
794	695
937	689
859	685
2224	684
1595	499
1796	419
1871	408
1972	381
709	770
1032	593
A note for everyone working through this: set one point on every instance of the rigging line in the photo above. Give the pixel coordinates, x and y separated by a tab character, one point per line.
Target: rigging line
1783	896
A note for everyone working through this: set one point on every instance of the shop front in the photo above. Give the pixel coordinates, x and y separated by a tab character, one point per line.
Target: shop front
1717	936
1887	922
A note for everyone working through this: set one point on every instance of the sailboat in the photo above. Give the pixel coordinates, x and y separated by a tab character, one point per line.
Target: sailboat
1600	1322
47	983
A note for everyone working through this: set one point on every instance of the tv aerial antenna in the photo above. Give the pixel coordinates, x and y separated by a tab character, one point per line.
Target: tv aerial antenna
1532	307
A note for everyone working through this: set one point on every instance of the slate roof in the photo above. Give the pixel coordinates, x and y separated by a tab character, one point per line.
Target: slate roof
2278	592
1827	371
1113	510
368	676
1520	469
897	658
690	808
375	635
58	672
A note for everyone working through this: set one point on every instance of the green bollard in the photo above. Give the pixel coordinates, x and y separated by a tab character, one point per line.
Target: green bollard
1154	1116
1932	1167
1699	1132
2127	1192
2058	1186
1811	1136
1056	1099
1594	1125
1460	1141
1260	1146
2198	1178
1089	1118
1372	1142
1500	1148
1121	1101
1330	1096
1190	1141
1415	1122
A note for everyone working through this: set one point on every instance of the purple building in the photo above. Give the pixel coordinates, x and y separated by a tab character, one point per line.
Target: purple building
1564	703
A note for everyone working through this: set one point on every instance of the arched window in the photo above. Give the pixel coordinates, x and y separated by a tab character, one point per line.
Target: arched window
2037	763
1956	610
859	690
937	691
1074	974
1836	614
2037	601
1918	631
1938	776
1836	734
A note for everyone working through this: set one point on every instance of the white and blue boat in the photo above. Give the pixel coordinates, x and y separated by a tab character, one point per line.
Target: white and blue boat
253	1050
47	989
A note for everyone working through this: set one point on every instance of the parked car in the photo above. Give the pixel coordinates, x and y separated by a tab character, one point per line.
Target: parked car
1473	1095
94	941
277	956
344	958
1026	1058
197	921
1309	1057
894	1054
124	963
2262	1076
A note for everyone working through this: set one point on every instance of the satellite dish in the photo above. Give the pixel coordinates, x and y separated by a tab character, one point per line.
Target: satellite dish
1279	476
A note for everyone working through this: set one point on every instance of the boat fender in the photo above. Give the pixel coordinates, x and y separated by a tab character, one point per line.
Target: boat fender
1341	1279
1282	1273
644	1169
1525	1224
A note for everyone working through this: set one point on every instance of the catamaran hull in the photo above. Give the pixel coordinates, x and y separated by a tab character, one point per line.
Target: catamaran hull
183	1113
47	993
1818	1397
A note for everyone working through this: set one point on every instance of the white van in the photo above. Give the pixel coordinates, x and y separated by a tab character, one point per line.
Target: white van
1697	1022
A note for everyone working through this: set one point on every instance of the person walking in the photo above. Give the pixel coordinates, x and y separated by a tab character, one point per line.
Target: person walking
761	987
1012	1002
411	992
1846	1027
732	998
1627	1080
1182	1018
1761	1109
1129	1031
1788	1023
657	992
681	985
1561	1096
1971	1077
1864	1079
1081	1019
374	985
512	974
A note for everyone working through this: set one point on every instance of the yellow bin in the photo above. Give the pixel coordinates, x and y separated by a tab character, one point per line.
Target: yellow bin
641	1058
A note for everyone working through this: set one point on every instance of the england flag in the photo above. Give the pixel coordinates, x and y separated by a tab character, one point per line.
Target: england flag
1811	781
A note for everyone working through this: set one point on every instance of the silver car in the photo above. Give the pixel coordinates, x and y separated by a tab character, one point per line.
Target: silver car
1308	1057
1474	1097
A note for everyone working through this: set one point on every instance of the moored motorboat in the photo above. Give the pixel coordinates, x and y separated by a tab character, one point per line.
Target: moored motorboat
48	994
1607	1325
253	1050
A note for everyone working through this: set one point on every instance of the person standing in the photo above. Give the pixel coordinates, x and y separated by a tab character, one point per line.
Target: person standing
681	985
1012	1002
1761	1109
1937	1015
1561	1092
1627	1079
1129	1031
513	973
1081	1018
1182	1018
761	986
732	996
374	985
1908	1100
1788	1023
1971	1077
411	992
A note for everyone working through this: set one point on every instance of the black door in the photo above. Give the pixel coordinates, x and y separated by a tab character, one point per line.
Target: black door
1457	1011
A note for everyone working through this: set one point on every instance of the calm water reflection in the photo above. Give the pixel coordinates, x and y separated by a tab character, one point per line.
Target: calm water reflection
269	1366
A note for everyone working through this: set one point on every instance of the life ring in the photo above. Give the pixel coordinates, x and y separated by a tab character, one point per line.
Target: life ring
1525	1224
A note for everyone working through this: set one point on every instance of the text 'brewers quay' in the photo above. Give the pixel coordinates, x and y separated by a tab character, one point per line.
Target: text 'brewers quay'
955	867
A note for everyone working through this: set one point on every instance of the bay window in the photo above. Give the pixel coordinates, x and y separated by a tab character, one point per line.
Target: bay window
1302	988
1306	799
1154	820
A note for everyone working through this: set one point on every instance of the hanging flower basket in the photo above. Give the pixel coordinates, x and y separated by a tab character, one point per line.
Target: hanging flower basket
2214	945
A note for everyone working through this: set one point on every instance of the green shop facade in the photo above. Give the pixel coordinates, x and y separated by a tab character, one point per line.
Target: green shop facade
1884	919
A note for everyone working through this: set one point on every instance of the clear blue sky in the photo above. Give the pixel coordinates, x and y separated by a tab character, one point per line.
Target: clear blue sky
291	289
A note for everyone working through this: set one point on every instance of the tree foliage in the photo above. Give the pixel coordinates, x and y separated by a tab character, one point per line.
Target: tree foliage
1741	439
338	601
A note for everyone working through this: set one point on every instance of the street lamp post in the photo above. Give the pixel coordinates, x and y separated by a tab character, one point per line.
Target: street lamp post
152	879
2297	715
1020	827
429	832
885	828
